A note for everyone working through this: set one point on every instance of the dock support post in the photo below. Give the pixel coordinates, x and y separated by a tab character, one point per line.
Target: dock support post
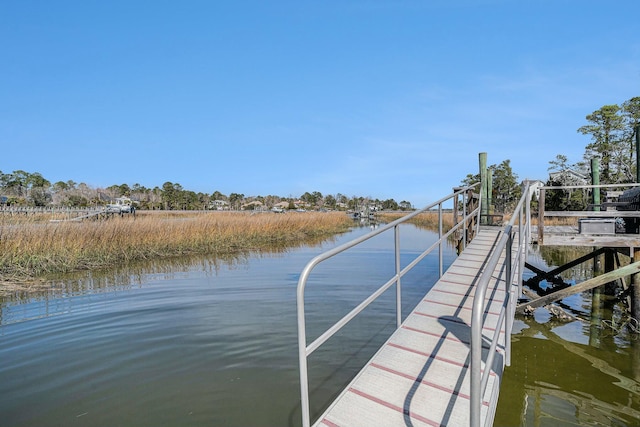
595	180
541	217
490	196
484	207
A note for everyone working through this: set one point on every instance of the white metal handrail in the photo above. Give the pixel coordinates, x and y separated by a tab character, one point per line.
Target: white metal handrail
304	349
480	379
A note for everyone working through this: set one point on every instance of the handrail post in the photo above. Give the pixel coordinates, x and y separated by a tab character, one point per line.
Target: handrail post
302	354
475	366
523	241
396	231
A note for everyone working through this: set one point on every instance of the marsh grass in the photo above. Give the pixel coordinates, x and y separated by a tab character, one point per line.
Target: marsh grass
31	248
427	220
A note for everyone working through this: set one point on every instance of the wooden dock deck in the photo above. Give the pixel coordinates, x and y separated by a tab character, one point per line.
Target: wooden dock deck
421	377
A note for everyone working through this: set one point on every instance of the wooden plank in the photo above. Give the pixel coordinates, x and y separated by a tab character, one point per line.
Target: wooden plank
584	286
612	241
593	214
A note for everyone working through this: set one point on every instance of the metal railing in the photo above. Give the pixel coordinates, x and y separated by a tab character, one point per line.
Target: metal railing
304	350
520	234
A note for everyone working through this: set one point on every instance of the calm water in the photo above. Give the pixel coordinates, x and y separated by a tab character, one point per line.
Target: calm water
202	342
572	373
196	343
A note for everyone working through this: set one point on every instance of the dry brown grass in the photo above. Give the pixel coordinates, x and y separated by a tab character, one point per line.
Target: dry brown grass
31	248
428	220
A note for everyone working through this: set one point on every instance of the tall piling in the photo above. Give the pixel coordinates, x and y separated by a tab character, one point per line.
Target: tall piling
484	196
595	180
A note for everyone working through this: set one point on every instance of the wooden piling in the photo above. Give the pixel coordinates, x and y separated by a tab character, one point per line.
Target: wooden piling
484	207
595	180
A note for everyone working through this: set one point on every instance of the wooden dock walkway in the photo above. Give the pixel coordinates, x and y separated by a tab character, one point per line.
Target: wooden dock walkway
421	376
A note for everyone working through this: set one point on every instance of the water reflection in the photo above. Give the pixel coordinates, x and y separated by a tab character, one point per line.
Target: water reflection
583	372
554	381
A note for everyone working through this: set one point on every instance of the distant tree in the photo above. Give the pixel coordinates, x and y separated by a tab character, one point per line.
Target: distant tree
559	164
506	191
235	200
329	201
390	204
317	199
169	195
631	118
405	205
216	195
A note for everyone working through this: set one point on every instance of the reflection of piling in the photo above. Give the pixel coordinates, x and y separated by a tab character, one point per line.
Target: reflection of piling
596	306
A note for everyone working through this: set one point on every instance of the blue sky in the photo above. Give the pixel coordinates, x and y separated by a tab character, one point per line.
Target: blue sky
380	98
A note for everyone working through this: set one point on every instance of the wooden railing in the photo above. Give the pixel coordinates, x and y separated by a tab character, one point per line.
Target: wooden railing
605	209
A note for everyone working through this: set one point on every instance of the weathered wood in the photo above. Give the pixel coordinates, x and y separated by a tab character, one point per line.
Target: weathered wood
611	241
593	214
484	208
545	275
595	180
581	287
535	269
558	312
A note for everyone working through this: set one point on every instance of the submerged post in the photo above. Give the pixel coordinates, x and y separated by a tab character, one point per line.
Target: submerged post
484	207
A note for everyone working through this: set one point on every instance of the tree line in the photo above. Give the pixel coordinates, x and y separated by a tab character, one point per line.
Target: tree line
611	129
21	188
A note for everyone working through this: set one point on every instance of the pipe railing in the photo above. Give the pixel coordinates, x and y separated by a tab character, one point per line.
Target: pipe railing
511	234
304	349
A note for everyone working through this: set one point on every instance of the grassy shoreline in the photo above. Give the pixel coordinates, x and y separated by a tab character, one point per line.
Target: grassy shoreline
32	248
428	220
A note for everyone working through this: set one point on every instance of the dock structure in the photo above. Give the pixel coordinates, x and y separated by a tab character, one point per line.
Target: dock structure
444	362
421	375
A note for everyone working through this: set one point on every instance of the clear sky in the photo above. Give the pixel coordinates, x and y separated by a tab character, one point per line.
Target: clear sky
381	98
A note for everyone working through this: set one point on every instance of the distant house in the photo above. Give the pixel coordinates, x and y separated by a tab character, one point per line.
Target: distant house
255	205
219	205
569	177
